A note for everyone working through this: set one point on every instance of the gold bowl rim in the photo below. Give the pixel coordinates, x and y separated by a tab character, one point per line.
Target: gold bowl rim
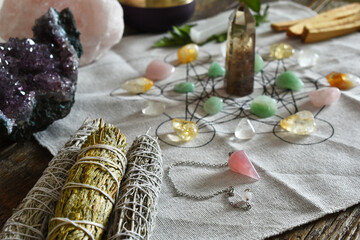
155	3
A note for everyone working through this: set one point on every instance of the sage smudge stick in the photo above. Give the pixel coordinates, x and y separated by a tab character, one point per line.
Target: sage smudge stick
30	219
135	210
89	193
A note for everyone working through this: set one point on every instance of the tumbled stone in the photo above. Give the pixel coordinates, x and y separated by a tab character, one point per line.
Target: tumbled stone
216	70
342	81
301	123
38	76
100	22
188	53
213	105
138	85
288	80
244	130
186	130
307	58
324	96
159	70
240	163
281	51
153	108
184	87
263	106
259	63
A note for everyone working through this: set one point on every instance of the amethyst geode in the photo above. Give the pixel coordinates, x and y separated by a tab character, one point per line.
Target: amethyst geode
38	76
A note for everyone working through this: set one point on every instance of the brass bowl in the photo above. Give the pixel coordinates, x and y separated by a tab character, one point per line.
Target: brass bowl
156	15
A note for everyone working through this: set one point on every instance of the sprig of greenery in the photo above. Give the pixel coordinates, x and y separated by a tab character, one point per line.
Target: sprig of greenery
255	5
181	36
261	17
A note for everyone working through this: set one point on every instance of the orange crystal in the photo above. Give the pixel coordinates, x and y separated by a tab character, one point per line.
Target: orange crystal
340	80
188	53
138	85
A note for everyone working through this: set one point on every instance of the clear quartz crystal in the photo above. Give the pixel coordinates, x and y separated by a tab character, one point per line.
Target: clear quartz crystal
246	195
153	108
244	129
239	64
307	58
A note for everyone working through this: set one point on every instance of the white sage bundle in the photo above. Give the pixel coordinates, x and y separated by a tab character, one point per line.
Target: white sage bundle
135	209
30	219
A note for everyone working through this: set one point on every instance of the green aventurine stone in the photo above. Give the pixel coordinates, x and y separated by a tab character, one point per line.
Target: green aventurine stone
259	63
216	70
263	106
289	80
184	87
213	105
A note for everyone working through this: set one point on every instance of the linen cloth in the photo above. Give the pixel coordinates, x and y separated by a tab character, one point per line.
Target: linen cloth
302	177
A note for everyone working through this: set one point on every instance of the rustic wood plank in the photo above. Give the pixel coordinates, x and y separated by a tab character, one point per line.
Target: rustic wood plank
343	225
21	165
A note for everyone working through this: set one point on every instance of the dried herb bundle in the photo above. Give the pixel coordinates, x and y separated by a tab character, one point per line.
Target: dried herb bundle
90	190
135	210
30	219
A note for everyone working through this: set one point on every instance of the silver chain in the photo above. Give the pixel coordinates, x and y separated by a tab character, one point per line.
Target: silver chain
229	191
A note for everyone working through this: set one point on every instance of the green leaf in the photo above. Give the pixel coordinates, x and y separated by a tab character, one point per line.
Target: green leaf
252	4
262	17
179	36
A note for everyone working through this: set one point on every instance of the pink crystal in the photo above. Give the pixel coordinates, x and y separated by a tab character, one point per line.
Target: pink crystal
159	70
239	163
100	22
324	96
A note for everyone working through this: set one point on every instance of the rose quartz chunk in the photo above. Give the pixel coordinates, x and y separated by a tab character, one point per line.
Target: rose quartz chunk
159	70
239	163
100	22
324	96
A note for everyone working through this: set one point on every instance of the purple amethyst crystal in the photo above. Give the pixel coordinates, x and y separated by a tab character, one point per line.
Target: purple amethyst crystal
38	76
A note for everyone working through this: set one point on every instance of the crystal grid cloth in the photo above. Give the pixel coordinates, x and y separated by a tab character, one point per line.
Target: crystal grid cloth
299	183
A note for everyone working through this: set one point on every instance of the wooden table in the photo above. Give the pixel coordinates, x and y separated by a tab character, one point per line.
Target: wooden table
21	165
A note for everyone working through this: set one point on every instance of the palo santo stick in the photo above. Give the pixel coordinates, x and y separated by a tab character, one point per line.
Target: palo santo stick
335	13
283	26
341	12
316	35
333	23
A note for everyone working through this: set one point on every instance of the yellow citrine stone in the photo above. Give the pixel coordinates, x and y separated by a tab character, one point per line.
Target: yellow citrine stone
188	53
138	85
281	51
186	130
301	123
340	80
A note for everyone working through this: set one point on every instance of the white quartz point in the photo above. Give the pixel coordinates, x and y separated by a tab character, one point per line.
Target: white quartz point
153	108
246	195
244	129
210	26
307	58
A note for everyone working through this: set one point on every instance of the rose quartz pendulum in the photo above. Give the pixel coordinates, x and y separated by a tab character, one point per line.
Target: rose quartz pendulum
239	163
